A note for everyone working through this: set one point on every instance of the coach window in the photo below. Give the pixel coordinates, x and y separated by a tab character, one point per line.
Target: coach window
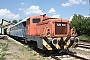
16	27
13	28
20	26
36	20
10	29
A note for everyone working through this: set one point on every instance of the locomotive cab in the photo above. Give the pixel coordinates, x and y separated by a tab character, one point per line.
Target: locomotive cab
31	25
31	28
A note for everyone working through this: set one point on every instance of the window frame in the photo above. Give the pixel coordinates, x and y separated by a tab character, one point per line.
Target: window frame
34	20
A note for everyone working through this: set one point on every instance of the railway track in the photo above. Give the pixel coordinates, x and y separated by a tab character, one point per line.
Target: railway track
70	56
88	41
87	46
84	44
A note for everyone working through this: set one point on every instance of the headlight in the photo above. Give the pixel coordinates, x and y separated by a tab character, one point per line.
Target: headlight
73	34
48	34
72	39
76	39
54	41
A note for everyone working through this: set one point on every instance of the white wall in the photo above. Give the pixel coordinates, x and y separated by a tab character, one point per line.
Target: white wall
0	30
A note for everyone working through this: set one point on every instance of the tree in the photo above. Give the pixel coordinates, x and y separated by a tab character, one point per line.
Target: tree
9	21
76	23
20	20
0	24
14	21
81	23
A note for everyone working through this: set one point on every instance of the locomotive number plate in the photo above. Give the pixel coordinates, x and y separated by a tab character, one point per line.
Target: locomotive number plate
59	24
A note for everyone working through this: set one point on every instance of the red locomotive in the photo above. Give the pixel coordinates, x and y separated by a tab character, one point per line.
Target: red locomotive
50	33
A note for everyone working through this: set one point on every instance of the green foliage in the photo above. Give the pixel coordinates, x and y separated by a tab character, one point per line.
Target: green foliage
84	37
35	54
29	49
32	59
5	47
20	20
9	21
9	40
81	23
2	44
14	21
2	57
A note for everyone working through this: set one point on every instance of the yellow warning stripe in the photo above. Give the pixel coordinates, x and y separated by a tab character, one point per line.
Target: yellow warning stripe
74	44
64	38
57	46
46	45
59	39
67	44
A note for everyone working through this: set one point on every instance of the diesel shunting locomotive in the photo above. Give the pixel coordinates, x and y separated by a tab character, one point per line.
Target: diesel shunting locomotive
45	33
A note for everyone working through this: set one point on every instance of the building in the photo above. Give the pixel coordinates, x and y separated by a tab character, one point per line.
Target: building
0	30
5	25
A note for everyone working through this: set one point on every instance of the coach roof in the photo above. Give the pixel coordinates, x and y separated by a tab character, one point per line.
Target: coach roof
20	22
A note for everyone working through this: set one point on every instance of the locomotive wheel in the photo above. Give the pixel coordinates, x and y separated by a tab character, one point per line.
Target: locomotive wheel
32	44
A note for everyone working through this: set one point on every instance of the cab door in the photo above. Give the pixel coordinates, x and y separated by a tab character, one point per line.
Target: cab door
33	26
28	27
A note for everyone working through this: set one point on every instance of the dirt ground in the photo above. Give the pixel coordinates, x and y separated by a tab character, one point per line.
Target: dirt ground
11	50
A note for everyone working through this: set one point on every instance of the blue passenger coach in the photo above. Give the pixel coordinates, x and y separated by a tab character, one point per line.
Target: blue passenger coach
19	29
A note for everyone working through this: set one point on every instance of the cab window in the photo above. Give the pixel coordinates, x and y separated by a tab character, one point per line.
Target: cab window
36	20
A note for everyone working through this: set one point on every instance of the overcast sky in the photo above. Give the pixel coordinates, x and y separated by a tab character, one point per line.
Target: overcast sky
20	9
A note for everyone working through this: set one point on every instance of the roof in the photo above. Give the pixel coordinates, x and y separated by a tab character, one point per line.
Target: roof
6	23
20	21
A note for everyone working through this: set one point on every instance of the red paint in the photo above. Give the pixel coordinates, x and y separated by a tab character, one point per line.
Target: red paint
48	25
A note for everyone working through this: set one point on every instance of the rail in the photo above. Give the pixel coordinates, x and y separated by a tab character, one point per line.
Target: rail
78	57
84	46
71	55
88	41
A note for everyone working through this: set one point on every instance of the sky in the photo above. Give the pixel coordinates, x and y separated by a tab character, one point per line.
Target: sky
20	9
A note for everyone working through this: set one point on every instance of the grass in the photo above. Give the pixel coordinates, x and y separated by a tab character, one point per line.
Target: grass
2	44
84	37
9	41
2	57
35	54
42	55
5	47
29	49
31	59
